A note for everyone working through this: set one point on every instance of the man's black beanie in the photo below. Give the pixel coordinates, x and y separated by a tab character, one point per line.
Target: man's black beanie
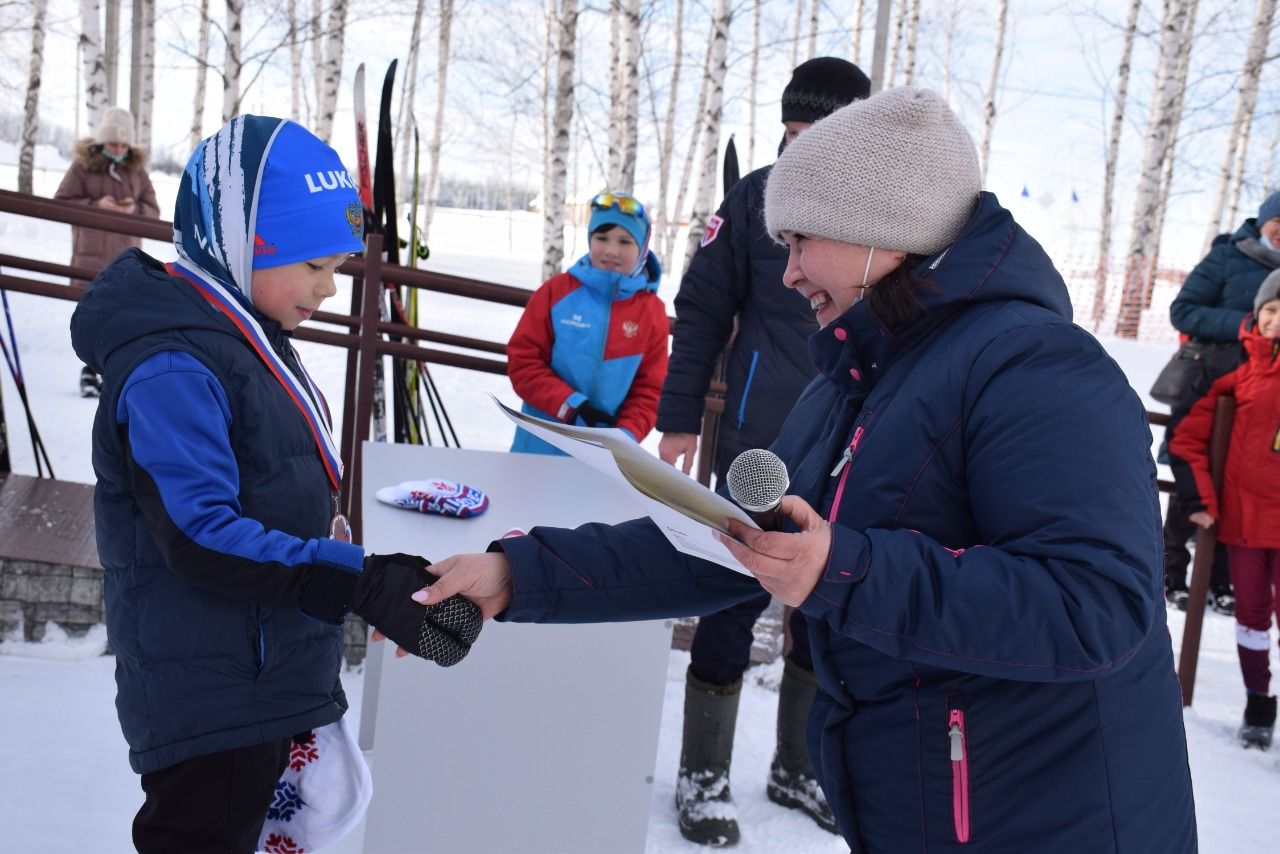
821	86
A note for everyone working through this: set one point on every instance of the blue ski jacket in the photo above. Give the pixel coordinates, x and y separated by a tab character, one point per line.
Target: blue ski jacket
995	673
737	273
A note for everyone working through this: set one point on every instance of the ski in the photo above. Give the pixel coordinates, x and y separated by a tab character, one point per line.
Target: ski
365	182
419	434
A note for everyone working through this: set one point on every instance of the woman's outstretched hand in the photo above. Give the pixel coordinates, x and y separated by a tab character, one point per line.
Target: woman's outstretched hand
485	579
788	565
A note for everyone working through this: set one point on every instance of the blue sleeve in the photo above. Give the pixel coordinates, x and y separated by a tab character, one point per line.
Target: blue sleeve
1197	310
1065	583
177	421
610	573
712	291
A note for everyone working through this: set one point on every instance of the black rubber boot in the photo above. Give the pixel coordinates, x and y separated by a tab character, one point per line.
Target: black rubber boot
1259	722
792	782
704	802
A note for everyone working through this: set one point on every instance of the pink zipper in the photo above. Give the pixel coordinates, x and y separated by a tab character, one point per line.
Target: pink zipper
959	774
842	468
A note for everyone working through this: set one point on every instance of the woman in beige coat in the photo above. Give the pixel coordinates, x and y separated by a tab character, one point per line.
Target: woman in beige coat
108	171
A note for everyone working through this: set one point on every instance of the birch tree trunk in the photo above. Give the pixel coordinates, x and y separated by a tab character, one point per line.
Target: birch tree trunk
899	24
231	64
444	28
202	75
550	24
855	49
1269	173
1181	70
31	107
1139	272
948	44
317	58
753	84
613	155
295	61
814	9
1237	181
553	196
717	53
95	73
147	86
913	31
331	72
1113	155
1245	103
795	34
408	94
667	141
630	92
989	106
111	49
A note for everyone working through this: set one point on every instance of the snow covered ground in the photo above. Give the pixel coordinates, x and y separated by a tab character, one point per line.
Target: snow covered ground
64	781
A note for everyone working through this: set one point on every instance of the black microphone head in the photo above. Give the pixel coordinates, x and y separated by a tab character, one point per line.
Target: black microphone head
757	480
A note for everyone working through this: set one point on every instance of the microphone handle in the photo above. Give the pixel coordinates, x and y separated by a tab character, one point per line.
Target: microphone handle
768	520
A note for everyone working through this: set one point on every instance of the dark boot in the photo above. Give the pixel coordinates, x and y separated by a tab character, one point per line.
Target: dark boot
704	802
792	782
1259	722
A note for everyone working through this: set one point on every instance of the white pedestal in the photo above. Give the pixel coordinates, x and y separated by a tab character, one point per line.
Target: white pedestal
543	739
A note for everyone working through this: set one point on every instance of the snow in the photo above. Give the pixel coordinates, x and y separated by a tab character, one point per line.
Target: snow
66	784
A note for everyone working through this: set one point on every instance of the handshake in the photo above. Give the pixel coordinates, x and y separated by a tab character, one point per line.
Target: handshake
443	632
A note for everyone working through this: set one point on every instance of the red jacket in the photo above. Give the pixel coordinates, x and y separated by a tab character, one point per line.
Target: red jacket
1248	510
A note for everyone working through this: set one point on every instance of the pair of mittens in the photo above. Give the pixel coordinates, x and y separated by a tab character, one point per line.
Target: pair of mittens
443	497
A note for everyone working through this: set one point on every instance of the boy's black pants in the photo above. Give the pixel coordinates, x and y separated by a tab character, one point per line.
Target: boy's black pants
212	803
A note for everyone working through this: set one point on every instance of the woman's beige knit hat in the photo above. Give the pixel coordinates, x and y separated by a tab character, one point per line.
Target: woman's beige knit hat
896	171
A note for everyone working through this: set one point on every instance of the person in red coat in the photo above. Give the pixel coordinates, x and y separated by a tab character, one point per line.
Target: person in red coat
1247	509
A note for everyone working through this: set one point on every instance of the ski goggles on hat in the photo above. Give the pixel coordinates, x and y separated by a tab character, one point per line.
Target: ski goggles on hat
629	205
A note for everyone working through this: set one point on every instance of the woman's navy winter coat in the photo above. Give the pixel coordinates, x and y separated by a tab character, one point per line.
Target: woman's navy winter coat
989	634
1218	294
205	558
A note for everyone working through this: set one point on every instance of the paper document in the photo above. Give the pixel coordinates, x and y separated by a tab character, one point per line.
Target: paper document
686	512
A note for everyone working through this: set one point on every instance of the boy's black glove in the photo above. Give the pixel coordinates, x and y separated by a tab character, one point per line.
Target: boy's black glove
442	633
593	416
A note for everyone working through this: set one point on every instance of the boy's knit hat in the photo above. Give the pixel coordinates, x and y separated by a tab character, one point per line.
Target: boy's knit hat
263	192
1269	209
1267	291
821	86
308	206
607	209
896	171
115	126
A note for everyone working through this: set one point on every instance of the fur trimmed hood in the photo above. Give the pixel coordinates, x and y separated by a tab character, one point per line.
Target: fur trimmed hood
88	155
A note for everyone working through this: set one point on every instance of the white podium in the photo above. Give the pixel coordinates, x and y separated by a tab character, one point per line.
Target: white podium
544	738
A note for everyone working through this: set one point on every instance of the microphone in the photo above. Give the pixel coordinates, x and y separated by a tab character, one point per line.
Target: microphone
757	482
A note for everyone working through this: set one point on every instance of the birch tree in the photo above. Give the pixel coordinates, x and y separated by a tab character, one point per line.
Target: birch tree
295	60
202	74
111	49
95	72
855	49
795	34
948	45
709	145
409	92
815	7
1237	178
913	32
1181	72
666	141
147	70
1246	101
899	24
444	27
1113	156
331	71
553	193
613	135
989	105
630	92
1139	272
232	61
31	107
316	24
753	83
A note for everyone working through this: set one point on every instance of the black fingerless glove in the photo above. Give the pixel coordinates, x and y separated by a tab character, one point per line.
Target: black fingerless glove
442	633
593	416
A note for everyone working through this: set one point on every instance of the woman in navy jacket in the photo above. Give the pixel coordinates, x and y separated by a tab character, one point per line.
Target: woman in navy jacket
973	530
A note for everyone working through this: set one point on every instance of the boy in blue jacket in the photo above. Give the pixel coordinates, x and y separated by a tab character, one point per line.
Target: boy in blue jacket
217	483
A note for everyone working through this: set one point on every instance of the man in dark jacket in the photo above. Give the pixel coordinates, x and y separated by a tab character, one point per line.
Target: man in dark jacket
734	280
1216	297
